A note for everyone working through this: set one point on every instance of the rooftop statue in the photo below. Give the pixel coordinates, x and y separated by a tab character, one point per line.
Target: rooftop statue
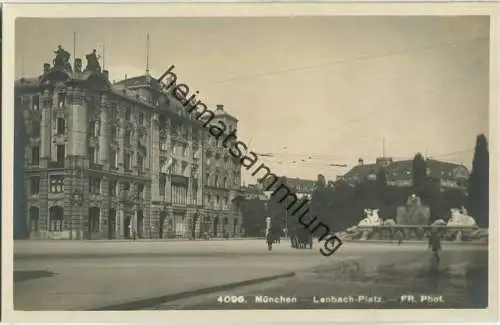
93	62
62	59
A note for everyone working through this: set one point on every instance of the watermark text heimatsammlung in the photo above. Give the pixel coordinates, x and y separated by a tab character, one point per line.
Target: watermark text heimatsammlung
239	150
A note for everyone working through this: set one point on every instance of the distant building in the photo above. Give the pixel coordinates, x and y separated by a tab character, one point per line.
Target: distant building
400	173
302	187
253	192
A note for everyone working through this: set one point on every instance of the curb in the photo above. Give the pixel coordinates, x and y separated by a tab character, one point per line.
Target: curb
101	255
412	242
145	240
150	302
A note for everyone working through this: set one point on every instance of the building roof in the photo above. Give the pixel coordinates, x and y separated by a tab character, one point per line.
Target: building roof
221	112
299	184
140	81
399	170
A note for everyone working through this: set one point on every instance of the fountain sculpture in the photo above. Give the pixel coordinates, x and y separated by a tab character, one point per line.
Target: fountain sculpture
412	224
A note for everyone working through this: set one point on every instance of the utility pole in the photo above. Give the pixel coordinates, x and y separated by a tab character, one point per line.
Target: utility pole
103	55
383	147
147	54
74	46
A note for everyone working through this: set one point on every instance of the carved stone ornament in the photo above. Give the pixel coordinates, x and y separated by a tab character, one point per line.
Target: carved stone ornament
80	173
156	120
129	126
77	198
141	131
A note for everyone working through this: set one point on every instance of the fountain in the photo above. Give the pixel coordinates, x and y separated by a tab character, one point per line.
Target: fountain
413	223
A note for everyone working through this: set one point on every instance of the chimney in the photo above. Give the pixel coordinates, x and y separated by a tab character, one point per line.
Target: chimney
360	161
220	107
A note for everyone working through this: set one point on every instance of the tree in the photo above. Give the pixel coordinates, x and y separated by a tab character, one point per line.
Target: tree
321	181
478	187
382	193
253	212
419	174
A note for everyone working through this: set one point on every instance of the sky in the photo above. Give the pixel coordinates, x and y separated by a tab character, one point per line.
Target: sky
311	91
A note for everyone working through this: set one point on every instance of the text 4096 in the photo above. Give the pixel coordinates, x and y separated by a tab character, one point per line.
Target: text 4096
231	300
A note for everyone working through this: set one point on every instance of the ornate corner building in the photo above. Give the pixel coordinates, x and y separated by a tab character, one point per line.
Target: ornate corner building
118	160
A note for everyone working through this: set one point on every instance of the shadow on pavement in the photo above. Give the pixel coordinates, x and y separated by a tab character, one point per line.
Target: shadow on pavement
21	276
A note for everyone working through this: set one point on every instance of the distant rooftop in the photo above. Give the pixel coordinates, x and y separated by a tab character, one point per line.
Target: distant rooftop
403	169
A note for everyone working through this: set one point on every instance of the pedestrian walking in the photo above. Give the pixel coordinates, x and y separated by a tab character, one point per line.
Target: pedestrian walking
435	244
269	239
399	237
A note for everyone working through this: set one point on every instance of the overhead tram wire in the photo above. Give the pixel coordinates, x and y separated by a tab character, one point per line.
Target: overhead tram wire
331	163
444	84
347	61
413	96
306	156
403	102
367	57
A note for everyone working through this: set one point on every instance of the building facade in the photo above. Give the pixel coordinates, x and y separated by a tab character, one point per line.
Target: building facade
222	179
400	173
109	160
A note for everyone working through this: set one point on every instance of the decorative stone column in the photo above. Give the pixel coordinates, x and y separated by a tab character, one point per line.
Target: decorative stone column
103	132
45	125
154	156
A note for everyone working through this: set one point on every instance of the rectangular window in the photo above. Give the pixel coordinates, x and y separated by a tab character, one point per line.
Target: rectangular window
128	113
113	111
35	104
163	186
194	195
140	191
34	185
113	159
61	126
126	139
126	161
35	155
141	118
92	129
126	186
94	185
113	188
92	155
61	100
61	155
112	133
140	164
56	184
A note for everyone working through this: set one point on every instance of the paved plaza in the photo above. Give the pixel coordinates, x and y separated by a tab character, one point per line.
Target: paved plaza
83	275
